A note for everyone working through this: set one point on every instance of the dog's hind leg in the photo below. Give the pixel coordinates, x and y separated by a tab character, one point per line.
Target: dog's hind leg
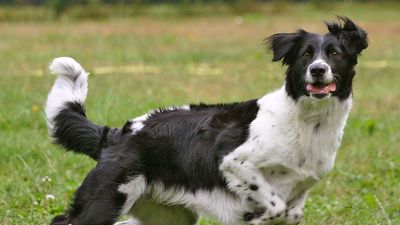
107	193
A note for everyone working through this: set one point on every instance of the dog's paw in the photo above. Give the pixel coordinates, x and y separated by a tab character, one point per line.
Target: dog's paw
257	219
267	211
276	206
293	215
270	204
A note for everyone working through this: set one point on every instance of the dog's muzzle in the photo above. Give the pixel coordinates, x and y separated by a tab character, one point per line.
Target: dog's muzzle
319	80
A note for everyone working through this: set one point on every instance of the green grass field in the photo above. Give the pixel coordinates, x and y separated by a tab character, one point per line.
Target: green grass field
144	62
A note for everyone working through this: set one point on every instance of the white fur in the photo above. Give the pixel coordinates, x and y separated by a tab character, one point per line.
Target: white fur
131	221
135	188
182	107
328	77
138	122
217	203
292	144
70	86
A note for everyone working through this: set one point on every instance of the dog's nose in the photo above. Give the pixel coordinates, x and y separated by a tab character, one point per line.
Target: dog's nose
318	70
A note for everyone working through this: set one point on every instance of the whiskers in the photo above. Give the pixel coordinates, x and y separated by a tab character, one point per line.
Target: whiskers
303	81
336	78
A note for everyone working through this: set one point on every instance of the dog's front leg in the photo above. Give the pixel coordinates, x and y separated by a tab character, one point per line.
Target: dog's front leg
295	209
247	181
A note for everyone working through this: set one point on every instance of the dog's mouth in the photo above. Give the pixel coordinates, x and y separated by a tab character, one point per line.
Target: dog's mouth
321	90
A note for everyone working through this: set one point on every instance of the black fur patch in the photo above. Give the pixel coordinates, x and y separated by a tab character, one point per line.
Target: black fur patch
253	187
75	132
184	147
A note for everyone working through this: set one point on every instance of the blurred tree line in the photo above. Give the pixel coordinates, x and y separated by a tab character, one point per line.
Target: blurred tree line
72	2
95	8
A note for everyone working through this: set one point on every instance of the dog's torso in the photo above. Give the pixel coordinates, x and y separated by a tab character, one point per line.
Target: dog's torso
294	145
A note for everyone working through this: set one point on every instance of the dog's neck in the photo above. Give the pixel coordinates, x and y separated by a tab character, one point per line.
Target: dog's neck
328	110
320	124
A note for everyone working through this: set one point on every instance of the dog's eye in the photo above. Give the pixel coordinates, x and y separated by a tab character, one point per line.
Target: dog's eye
306	54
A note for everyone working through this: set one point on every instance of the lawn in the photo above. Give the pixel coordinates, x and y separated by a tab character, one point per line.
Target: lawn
142	62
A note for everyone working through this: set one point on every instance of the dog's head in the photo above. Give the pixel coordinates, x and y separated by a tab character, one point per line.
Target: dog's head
320	66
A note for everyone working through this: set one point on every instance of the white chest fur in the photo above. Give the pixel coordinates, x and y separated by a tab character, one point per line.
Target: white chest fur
295	143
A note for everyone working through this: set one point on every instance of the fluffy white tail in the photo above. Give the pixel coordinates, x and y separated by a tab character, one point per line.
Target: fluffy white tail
67	121
69	87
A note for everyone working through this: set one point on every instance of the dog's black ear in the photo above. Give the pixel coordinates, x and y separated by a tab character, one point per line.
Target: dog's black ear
352	37
285	46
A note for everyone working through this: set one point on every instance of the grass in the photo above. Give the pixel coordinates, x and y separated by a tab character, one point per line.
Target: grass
139	63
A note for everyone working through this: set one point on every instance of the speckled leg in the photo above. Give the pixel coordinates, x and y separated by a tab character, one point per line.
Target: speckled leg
248	182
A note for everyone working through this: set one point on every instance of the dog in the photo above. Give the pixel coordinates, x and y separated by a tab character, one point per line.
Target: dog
250	162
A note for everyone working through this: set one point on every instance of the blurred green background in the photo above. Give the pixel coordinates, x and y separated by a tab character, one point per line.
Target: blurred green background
147	54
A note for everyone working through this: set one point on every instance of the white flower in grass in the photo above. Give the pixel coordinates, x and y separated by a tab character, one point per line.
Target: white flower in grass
50	197
46	179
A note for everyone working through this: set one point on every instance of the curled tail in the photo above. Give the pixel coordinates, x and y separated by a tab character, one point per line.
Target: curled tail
65	112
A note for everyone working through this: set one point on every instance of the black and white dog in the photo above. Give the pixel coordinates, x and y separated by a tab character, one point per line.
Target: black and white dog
251	162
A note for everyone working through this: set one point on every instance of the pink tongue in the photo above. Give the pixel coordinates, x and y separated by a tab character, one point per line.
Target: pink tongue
331	87
314	89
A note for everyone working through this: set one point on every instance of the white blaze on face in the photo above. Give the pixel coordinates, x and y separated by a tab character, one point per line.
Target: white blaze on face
327	77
